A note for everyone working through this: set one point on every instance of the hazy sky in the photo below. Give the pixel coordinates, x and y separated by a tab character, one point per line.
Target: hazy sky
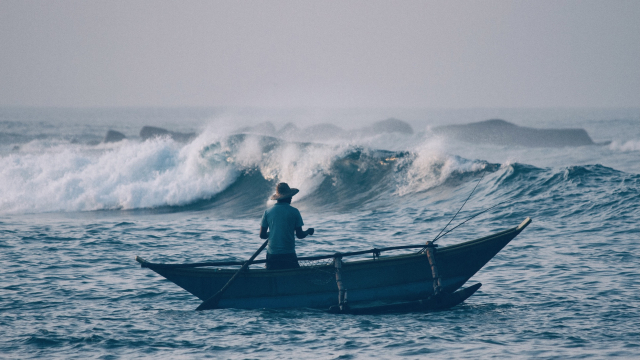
442	54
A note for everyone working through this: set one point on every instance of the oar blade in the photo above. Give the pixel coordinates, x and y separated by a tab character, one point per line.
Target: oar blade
211	303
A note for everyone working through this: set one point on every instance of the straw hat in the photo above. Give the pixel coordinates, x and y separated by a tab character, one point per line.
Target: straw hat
283	191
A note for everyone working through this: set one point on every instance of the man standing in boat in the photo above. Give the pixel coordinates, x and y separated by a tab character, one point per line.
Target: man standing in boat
279	224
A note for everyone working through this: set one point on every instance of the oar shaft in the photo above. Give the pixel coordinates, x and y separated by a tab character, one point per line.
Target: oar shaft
212	302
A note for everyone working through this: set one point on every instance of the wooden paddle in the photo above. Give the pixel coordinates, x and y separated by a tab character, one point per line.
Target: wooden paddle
212	302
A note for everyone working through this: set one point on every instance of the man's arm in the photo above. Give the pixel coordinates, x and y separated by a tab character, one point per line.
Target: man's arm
264	234
303	234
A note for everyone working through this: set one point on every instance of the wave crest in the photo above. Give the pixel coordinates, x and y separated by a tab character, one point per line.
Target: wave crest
237	174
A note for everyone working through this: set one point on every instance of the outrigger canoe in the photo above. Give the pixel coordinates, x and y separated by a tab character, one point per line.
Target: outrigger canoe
429	279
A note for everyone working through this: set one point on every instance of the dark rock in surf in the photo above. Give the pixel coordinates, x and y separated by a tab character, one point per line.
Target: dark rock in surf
289	129
113	136
390	125
324	131
149	132
501	132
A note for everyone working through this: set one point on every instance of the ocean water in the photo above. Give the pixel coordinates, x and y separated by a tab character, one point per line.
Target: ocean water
74	212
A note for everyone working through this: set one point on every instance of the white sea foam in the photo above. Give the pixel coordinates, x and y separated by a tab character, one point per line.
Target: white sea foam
431	167
304	167
128	175
627	146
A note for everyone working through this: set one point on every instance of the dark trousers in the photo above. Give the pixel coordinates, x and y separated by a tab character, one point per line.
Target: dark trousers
282	261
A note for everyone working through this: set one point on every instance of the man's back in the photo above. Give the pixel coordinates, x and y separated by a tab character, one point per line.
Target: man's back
282	219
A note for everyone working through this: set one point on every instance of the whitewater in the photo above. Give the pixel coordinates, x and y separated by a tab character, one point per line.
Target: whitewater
75	211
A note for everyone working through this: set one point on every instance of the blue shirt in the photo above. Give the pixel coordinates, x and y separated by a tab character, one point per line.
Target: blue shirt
281	219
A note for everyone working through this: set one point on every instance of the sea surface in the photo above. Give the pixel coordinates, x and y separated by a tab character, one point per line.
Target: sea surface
75	211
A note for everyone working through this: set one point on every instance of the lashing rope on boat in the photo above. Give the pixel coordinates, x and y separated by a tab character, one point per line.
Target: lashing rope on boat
431	257
454	216
342	291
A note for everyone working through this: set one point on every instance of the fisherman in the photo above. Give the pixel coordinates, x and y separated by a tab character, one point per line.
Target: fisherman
279	223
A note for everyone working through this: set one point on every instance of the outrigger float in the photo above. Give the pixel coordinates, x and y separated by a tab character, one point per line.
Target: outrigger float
427	280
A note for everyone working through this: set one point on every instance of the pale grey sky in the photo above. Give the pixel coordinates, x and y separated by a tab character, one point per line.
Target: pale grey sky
433	54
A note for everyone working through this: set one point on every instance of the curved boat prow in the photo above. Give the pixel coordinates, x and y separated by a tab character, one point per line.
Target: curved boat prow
524	224
143	262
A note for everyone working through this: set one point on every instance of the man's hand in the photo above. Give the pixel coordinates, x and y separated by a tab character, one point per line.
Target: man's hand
303	234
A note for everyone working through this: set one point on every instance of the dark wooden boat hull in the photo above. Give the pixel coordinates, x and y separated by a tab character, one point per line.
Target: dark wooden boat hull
403	278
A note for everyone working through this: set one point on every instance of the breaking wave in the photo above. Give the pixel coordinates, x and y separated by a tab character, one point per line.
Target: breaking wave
237	173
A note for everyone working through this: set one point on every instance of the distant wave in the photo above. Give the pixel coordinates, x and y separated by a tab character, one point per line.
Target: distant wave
610	190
